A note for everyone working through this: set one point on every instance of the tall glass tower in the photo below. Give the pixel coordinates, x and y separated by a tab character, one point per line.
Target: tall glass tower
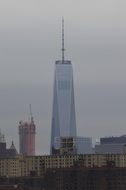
63	113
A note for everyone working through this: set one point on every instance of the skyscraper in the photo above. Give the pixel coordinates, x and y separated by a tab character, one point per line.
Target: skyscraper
63	113
27	137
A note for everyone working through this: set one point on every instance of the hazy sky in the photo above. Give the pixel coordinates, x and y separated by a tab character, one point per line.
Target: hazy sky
30	42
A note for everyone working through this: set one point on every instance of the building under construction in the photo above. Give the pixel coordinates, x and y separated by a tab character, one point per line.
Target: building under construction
27	137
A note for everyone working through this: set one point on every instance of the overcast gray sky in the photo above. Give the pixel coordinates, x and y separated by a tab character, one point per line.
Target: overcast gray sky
30	42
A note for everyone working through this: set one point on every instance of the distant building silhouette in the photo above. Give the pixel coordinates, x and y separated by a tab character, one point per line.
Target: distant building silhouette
4	152
111	145
113	140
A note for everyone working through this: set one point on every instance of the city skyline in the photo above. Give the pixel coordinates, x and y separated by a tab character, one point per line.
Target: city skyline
96	44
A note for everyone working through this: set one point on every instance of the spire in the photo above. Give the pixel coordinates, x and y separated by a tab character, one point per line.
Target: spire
63	49
32	119
12	147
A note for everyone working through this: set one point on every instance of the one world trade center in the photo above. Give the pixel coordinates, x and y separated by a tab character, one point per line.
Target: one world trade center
63	112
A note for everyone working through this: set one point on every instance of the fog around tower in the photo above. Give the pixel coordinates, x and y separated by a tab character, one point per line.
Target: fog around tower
30	43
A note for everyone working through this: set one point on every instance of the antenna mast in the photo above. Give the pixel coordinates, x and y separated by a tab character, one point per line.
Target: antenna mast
63	49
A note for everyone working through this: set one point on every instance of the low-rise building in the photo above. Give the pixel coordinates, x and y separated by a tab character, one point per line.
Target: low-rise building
38	165
78	178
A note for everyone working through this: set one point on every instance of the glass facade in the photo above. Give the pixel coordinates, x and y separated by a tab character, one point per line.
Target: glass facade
63	113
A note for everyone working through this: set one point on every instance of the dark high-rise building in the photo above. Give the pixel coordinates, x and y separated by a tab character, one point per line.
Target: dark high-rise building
27	137
63	115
